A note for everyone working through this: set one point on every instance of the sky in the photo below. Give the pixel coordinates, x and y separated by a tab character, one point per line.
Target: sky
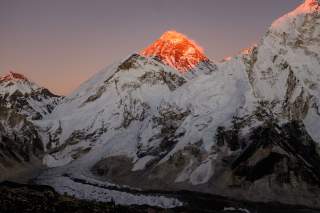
61	43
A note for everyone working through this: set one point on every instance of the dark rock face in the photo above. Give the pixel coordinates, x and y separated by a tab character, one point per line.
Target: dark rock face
288	152
22	102
280	163
20	143
169	119
22	131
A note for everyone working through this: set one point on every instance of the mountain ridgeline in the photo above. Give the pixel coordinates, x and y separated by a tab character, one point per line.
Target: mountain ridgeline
22	103
170	119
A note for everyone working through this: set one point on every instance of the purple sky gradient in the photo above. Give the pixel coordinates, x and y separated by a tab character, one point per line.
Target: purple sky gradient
61	43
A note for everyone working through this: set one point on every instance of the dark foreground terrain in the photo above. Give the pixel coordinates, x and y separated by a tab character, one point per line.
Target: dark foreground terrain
25	198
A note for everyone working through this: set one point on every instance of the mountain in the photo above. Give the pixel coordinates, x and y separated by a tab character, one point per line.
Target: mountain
169	119
114	101
21	103
248	127
179	52
17	92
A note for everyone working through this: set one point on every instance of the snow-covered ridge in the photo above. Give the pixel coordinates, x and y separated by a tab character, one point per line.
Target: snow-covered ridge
284	24
26	97
13	76
12	82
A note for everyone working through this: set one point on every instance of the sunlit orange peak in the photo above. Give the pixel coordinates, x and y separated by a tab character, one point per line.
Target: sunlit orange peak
13	76
173	36
312	2
176	50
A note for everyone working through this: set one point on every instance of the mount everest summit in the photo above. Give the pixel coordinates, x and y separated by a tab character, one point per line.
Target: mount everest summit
168	118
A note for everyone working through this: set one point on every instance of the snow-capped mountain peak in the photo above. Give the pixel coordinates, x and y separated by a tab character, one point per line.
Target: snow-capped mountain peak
308	6
288	23
26	97
11	76
14	82
177	51
311	3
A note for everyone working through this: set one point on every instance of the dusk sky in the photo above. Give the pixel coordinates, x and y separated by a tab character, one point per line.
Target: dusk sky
61	43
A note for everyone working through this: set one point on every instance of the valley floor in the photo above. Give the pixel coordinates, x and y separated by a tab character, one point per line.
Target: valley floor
16	197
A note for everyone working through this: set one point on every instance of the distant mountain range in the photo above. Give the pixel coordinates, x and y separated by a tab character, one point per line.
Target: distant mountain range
168	118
